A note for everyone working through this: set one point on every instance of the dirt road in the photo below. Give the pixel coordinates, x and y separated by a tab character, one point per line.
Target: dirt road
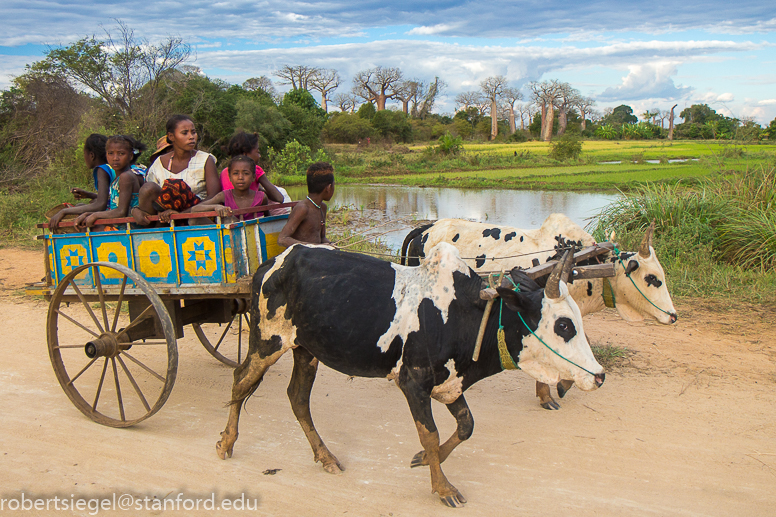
685	428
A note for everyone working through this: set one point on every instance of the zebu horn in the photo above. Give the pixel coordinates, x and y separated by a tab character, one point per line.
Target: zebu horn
568	266
552	289
646	243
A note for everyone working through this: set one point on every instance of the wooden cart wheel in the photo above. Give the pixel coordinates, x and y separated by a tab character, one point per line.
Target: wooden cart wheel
110	378
225	341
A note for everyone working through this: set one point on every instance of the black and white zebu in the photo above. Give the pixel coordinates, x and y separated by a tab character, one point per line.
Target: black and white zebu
638	290
417	325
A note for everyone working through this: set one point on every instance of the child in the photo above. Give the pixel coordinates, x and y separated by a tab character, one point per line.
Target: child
94	156
242	173
307	222
126	179
248	144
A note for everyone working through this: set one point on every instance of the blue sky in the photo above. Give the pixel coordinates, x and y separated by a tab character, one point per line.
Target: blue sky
645	54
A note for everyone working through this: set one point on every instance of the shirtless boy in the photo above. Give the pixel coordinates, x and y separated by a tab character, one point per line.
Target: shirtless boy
307	222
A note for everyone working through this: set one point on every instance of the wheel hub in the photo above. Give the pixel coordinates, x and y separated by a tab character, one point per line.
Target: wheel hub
110	344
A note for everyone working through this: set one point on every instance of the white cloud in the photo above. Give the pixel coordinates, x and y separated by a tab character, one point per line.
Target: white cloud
434	29
767	102
647	81
12	66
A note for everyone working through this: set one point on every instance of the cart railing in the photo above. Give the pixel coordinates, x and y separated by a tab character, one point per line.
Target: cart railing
179	216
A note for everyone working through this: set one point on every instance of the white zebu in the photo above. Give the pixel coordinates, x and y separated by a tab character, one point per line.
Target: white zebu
487	247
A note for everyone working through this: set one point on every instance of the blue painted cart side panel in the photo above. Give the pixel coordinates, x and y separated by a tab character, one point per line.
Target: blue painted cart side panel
213	254
199	255
155	256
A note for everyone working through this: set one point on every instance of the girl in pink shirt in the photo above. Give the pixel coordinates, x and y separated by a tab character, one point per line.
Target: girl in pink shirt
241	174
247	144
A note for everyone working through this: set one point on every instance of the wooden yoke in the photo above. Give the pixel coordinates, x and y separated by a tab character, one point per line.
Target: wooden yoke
582	272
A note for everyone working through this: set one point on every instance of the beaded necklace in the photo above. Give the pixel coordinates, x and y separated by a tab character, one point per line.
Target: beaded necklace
319	207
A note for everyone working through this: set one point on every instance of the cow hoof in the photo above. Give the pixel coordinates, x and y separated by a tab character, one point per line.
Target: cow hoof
333	467
455	500
563	389
551	405
223	452
419	460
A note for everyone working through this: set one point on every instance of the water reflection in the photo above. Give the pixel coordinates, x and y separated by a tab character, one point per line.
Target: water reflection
524	209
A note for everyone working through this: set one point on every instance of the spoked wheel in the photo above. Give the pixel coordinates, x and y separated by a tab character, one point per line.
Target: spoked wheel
115	371
226	341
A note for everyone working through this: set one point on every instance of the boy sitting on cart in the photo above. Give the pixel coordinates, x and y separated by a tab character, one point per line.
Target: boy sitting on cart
307	222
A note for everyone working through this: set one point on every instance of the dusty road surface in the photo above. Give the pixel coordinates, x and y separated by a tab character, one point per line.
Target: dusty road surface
686	427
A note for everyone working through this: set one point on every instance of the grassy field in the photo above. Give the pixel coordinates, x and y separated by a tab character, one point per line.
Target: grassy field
527	166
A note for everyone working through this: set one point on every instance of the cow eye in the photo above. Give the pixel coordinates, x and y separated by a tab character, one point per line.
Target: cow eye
564	328
653	281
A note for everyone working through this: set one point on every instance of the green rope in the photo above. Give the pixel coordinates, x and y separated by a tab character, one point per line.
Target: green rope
617	254
501	328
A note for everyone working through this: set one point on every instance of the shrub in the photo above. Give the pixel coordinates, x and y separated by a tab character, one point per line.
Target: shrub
295	158
346	128
449	144
394	125
567	147
607	132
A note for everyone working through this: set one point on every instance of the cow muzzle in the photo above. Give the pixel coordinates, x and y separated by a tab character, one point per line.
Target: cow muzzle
599	379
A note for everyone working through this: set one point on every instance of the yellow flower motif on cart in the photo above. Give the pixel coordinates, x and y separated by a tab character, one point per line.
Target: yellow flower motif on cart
153	258
71	256
112	252
199	256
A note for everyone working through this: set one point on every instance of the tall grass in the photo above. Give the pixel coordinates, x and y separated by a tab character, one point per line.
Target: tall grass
715	237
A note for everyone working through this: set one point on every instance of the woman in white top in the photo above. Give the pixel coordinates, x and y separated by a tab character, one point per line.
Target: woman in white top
179	177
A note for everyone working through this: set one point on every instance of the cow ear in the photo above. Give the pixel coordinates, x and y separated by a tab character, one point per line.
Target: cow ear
515	301
633	265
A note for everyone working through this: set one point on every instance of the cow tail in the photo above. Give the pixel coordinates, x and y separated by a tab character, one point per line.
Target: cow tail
406	244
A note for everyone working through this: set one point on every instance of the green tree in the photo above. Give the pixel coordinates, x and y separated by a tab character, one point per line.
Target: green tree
620	115
698	114
394	125
306	117
366	111
123	70
346	128
266	120
770	131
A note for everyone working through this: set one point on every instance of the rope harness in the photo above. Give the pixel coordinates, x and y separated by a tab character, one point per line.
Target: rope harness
503	352
606	282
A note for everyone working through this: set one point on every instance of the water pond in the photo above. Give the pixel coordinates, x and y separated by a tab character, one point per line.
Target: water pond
520	208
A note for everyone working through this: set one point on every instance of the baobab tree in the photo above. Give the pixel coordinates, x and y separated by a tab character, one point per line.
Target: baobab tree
325	81
377	85
568	98
524	109
260	83
671	123
298	76
510	96
493	88
421	109
585	106
409	91
662	116
346	102
470	99
545	95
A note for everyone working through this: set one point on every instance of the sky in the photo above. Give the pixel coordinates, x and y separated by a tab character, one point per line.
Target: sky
644	54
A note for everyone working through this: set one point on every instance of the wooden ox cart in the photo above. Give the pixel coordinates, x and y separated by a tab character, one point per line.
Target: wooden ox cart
123	298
